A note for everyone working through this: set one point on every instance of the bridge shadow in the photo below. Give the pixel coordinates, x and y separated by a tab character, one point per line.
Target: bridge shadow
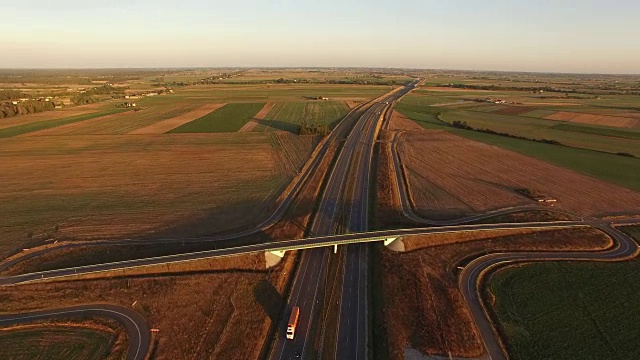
279	125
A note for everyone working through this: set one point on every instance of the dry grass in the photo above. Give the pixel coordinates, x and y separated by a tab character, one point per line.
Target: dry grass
474	177
423	307
170	124
605	120
224	313
120	186
387	212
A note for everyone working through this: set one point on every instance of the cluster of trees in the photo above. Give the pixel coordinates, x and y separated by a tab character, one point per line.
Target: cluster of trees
8	109
11	94
92	95
313	128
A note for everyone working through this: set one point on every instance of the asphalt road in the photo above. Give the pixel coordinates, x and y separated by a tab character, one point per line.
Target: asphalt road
139	336
353	329
624	248
353	160
308	286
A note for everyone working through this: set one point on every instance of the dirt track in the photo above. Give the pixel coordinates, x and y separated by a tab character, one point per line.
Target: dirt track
170	124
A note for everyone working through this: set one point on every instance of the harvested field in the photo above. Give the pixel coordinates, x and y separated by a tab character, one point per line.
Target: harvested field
127	122
73	188
260	116
203	315
422	306
170	124
604	120
53	115
474	177
294	150
69	128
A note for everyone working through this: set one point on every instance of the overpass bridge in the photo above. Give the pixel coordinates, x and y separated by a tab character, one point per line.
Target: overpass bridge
276	250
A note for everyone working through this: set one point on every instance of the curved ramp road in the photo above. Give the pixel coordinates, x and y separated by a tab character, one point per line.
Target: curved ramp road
139	336
623	249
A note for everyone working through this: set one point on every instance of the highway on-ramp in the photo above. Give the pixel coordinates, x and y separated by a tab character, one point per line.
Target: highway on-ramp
139	336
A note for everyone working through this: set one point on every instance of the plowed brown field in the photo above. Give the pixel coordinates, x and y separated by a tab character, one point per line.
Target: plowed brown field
605	120
450	175
170	124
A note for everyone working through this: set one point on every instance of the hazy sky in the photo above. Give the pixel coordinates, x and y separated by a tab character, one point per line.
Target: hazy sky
531	35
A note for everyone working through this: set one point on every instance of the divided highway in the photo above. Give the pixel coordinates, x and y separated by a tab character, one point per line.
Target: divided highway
346	192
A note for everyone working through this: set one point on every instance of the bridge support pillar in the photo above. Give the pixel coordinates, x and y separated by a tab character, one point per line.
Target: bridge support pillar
272	258
394	244
335	248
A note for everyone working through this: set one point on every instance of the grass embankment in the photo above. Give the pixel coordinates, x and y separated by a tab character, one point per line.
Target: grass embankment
288	116
229	118
42	125
55	343
621	170
569	310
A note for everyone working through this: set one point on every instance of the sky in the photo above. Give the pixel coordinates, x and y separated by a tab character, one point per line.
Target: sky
585	36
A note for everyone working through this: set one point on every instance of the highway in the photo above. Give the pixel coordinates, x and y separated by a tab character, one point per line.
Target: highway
139	335
353	329
308	286
346	190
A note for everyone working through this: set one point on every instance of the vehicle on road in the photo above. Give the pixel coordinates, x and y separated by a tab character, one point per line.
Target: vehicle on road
293	322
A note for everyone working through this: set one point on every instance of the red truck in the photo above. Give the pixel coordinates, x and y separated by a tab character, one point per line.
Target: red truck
293	322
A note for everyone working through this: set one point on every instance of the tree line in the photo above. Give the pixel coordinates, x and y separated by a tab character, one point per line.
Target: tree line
9	109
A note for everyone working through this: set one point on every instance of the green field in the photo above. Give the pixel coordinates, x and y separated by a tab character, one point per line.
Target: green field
57	343
288	116
48	124
601	138
569	310
621	170
229	118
